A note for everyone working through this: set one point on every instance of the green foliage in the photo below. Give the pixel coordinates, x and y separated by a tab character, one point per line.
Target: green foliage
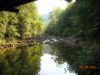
11	30
25	24
53	19
29	21
3	23
79	19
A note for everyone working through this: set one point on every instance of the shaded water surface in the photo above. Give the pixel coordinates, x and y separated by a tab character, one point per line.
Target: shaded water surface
50	59
21	61
49	66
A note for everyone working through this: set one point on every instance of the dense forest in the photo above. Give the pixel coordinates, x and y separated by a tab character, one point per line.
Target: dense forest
27	23
80	19
25	39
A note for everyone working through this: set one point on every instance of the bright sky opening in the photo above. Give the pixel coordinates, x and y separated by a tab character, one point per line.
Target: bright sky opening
46	6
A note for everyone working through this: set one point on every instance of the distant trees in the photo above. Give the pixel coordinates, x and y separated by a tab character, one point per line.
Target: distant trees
25	24
79	19
53	19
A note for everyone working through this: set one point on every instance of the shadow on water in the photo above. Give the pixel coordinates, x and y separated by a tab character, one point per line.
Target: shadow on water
84	61
21	61
41	59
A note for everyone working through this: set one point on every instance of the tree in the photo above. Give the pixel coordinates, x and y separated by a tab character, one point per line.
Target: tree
53	19
25	24
80	19
29	21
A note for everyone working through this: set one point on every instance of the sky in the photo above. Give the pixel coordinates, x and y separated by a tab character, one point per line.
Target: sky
46	6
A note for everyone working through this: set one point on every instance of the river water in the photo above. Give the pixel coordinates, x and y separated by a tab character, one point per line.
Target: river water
48	59
50	67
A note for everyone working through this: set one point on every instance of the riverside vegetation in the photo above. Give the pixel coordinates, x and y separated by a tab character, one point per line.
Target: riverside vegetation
19	26
80	20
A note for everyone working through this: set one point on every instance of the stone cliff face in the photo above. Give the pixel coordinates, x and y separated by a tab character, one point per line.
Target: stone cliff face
10	5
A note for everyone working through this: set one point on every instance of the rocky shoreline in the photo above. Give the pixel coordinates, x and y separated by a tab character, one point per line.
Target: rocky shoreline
19	43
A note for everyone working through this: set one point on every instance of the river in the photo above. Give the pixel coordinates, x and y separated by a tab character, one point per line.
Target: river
49	66
47	59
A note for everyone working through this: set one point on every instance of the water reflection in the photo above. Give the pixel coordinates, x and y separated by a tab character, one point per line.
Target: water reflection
50	67
51	59
78	56
21	61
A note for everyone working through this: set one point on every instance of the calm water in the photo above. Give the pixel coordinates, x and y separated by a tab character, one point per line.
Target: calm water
50	67
49	59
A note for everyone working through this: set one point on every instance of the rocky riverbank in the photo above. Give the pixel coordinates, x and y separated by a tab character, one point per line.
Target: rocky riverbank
17	43
71	41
